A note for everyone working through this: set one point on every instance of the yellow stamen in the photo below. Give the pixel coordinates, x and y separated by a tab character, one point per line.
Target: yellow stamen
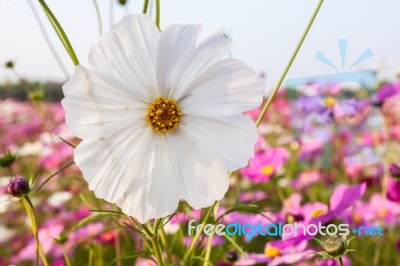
330	101
267	170
317	212
163	115
272	252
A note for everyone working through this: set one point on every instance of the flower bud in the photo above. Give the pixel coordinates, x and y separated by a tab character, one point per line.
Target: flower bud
122	2
18	187
394	170
61	239
7	159
334	246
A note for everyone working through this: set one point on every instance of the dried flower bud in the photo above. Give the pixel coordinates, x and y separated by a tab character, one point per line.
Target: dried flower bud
18	186
122	2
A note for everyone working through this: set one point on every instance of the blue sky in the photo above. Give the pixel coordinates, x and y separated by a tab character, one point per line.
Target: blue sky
265	32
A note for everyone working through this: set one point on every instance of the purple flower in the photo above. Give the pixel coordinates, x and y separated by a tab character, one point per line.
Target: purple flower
276	255
18	186
265	164
342	198
393	191
386	91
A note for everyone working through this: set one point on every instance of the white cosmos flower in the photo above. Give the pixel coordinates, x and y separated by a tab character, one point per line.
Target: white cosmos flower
160	116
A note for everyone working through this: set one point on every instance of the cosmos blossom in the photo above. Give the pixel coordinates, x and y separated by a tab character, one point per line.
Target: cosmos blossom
160	116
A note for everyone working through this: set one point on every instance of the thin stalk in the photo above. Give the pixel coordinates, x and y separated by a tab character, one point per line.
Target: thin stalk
164	243
55	173
291	60
210	239
30	210
65	254
117	244
145	6
47	39
158	14
60	32
189	251
98	15
157	251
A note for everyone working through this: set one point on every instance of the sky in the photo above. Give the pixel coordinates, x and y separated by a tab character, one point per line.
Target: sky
264	32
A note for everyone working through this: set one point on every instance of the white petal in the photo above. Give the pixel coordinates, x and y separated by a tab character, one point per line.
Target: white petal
203	176
157	194
109	164
208	51
175	45
231	138
129	52
95	108
227	88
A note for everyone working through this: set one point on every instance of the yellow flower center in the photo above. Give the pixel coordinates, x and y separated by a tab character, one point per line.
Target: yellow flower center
383	213
317	212
357	218
267	170
272	252
330	101
163	115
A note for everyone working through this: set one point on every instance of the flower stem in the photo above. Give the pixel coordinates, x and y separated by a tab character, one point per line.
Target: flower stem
158	14
157	251
30	210
291	60
66	258
341	261
96	7
145	6
196	237
60	32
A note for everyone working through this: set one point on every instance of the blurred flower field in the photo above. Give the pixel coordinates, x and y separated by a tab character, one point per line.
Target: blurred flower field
293	177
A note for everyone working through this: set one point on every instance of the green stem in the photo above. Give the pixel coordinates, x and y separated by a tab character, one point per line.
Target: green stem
30	210
55	173
145	6
189	251
341	261
291	60
60	32
210	239
65	254
157	251
158	14
96	7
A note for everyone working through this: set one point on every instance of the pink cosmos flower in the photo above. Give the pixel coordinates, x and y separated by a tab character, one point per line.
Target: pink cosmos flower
275	254
265	164
393	191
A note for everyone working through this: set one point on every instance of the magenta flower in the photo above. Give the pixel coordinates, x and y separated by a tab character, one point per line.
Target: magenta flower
306	179
393	191
265	164
275	254
342	198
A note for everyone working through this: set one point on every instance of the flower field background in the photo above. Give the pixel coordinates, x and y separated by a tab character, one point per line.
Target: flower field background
140	158
274	187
